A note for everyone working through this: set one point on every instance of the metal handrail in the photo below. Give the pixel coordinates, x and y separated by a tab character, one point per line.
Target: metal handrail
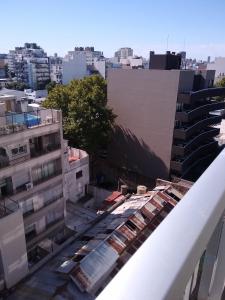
163	265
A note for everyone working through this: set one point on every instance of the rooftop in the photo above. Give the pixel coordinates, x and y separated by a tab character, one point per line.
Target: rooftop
86	265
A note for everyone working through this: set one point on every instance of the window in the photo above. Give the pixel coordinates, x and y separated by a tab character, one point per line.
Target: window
15	151
19	150
27	206
45	171
79	174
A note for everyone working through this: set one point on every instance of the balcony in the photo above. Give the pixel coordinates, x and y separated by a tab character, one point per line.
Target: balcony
186	132
7	206
182	164
188	98
182	148
188	116
16	122
184	257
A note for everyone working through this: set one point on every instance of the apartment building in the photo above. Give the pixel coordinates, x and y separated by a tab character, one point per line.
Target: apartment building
164	119
219	66
32	207
29	64
74	66
90	54
55	68
124	53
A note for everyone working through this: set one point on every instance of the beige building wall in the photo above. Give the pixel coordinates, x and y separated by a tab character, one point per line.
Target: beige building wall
145	104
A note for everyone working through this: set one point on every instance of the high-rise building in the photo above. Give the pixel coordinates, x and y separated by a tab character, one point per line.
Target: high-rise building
29	64
124	53
164	120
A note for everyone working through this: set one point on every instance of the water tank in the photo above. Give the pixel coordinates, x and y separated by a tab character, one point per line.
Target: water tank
141	189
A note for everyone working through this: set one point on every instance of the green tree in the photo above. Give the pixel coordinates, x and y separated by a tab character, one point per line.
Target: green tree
50	86
16	86
87	121
221	83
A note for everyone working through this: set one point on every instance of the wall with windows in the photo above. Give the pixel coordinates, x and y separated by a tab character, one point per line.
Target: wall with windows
76	180
46	171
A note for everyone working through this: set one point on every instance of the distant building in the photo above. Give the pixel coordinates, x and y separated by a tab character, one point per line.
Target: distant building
55	63
74	66
132	62
3	63
164	117
90	54
100	65
167	61
124	53
29	64
219	66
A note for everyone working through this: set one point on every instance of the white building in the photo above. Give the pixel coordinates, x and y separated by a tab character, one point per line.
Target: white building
90	54
134	62
74	66
55	68
100	66
219	66
124	52
29	64
76	166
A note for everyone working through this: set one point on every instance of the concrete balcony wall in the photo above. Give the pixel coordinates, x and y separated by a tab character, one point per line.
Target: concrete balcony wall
192	158
184	148
17	137
8	171
186	133
189	116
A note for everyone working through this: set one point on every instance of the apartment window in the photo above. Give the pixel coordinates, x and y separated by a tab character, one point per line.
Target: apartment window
19	150
46	171
79	174
27	206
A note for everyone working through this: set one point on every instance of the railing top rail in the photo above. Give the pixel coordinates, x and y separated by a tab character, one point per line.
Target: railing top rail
162	266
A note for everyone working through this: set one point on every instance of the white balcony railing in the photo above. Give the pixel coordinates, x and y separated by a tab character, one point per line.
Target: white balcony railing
184	258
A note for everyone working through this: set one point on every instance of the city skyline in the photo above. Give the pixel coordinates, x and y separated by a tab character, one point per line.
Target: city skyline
110	25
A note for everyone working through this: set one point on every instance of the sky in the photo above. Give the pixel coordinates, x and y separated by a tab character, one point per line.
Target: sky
195	26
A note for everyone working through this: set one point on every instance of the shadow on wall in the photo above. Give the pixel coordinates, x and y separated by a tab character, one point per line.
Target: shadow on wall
128	152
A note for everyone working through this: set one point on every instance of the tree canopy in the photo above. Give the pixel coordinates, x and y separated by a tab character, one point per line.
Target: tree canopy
87	121
221	83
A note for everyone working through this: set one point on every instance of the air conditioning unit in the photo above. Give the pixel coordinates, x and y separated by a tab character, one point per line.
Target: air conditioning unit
29	186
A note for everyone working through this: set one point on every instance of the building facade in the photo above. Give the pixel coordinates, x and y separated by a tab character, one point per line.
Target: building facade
29	64
55	68
74	66
124	53
163	120
219	66
32	206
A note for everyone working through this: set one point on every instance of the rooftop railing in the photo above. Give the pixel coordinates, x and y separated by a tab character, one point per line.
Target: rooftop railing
184	257
14	122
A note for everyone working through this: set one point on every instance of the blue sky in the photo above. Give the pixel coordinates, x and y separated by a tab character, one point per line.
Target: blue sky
197	26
